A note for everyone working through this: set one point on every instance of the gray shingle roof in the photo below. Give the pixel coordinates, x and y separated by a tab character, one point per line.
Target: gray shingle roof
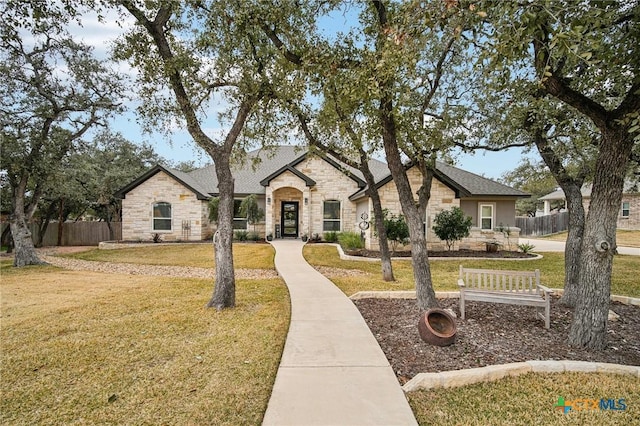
261	164
472	185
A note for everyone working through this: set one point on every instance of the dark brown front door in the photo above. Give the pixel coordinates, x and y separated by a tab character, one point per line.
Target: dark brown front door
289	219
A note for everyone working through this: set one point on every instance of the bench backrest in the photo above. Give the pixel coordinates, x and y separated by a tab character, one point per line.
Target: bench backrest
497	280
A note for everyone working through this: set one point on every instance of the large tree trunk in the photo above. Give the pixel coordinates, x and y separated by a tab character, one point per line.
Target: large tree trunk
426	297
224	292
385	255
573	245
589	326
25	252
571	185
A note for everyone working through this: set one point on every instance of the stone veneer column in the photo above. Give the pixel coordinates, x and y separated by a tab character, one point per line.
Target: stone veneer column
268	209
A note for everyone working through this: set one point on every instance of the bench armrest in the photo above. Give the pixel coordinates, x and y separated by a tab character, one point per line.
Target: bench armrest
546	290
461	283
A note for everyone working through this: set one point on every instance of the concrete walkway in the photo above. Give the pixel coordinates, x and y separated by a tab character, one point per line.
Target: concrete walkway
542	245
332	370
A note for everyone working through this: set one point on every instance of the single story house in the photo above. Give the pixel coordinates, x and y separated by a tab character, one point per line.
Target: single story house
305	193
628	214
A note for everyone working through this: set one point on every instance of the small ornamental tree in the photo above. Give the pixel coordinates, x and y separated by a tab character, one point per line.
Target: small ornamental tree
397	229
249	208
451	226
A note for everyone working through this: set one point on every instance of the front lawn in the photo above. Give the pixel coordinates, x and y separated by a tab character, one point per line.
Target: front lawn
530	400
94	348
444	273
245	255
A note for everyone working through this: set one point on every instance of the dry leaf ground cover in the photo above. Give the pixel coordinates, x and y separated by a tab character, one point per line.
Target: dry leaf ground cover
98	348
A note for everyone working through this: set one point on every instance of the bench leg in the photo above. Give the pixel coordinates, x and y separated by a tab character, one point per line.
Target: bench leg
461	305
547	312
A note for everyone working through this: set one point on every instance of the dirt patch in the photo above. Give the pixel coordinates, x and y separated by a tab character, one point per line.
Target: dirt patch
452	253
492	334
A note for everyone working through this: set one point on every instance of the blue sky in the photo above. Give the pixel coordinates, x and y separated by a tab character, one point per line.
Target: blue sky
180	146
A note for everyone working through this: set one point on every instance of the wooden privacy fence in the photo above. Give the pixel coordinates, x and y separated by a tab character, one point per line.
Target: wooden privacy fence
77	233
543	225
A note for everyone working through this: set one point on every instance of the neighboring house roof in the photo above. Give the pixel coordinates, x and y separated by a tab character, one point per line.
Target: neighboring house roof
630	187
263	165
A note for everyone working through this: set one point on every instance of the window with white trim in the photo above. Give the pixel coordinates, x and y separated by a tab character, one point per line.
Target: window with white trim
239	222
485	218
626	209
331	215
162	216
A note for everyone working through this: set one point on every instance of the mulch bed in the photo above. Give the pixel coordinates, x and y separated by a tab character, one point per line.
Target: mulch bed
491	334
453	253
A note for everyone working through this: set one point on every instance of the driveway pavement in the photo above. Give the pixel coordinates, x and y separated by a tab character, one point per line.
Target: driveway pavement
547	245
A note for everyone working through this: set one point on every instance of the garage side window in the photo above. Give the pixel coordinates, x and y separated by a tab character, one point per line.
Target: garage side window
486	216
162	216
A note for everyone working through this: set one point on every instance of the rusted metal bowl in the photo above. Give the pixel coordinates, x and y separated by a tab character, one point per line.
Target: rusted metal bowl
437	327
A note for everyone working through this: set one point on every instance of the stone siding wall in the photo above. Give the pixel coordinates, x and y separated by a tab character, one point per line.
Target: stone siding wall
137	207
442	198
331	184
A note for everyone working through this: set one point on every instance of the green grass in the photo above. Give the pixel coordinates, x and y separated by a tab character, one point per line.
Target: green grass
73	340
444	273
245	256
624	238
528	400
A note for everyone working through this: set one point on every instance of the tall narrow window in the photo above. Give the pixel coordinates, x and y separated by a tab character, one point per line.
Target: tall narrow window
239	222
162	216
625	209
331	216
486	216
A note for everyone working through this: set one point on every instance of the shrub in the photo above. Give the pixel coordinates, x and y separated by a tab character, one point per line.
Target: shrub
253	236
157	238
451	226
526	247
350	241
249	208
397	229
241	235
331	236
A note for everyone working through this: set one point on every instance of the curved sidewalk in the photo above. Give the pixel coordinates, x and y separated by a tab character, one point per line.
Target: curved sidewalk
332	370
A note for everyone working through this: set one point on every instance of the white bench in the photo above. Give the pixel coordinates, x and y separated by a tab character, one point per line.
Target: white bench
511	287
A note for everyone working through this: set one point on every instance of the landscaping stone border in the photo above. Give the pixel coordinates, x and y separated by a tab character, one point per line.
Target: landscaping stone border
345	256
456	378
452	379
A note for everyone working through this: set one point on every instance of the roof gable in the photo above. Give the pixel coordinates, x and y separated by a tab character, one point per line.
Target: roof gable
181	177
464	184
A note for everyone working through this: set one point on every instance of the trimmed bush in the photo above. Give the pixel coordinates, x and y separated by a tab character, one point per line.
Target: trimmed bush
350	241
241	235
331	236
452	225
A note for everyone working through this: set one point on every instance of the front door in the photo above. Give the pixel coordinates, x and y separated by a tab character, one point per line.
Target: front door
289	219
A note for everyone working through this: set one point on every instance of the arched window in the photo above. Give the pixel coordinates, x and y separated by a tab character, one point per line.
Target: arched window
162	216
331	215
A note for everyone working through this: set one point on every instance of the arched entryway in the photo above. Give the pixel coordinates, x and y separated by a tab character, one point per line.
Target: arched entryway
287	213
